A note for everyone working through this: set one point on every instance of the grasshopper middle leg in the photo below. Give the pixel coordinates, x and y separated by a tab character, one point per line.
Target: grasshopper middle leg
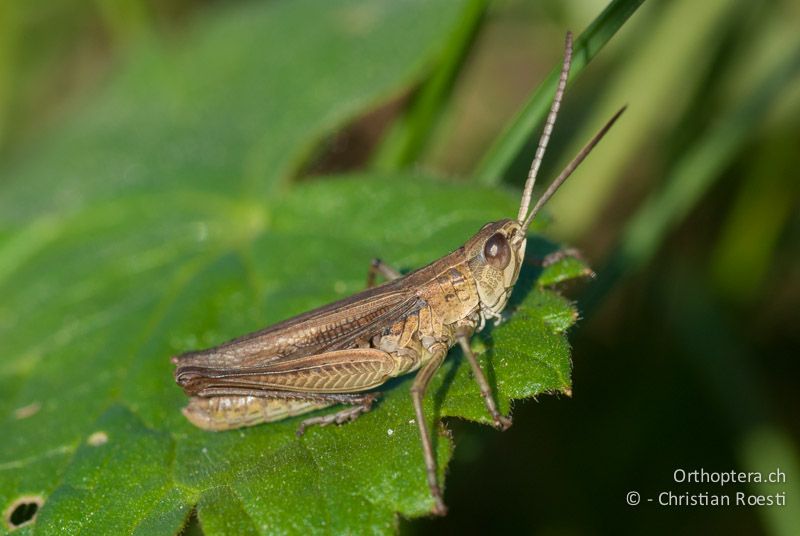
417	394
376	267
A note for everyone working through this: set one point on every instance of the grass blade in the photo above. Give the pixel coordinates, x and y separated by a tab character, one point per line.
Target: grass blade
411	132
690	179
503	152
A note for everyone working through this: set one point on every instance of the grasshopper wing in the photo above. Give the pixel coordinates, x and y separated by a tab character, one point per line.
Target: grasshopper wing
337	326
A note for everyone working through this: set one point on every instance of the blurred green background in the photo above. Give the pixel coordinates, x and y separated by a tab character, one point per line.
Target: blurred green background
686	355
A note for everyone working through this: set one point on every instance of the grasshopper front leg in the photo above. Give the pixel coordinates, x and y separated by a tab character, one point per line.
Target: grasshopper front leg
561	254
417	394
500	422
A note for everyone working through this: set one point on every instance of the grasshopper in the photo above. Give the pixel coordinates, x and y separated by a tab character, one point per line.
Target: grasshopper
340	353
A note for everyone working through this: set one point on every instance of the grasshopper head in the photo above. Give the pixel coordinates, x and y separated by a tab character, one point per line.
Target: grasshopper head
495	256
496	252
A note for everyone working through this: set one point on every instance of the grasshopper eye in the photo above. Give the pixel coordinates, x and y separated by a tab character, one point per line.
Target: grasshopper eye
497	251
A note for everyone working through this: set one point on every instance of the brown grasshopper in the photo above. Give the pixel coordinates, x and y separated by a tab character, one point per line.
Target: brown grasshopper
342	352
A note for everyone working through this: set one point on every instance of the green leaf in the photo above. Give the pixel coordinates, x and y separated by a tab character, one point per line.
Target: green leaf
152	224
237	107
100	352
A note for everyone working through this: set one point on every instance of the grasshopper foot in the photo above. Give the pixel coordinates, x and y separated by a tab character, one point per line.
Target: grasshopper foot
439	508
561	254
502	423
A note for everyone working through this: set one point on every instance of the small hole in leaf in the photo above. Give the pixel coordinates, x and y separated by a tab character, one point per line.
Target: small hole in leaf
23	511
192	527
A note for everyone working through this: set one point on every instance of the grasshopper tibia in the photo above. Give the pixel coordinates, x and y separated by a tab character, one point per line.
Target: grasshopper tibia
361	405
500	422
417	395
376	267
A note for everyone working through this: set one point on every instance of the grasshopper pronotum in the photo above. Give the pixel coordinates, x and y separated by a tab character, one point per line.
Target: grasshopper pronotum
340	353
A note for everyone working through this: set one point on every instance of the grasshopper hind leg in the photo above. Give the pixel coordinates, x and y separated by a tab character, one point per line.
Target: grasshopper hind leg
361	405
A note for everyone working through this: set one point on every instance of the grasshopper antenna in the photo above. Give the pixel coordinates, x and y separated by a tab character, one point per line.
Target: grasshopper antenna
571	167
548	130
